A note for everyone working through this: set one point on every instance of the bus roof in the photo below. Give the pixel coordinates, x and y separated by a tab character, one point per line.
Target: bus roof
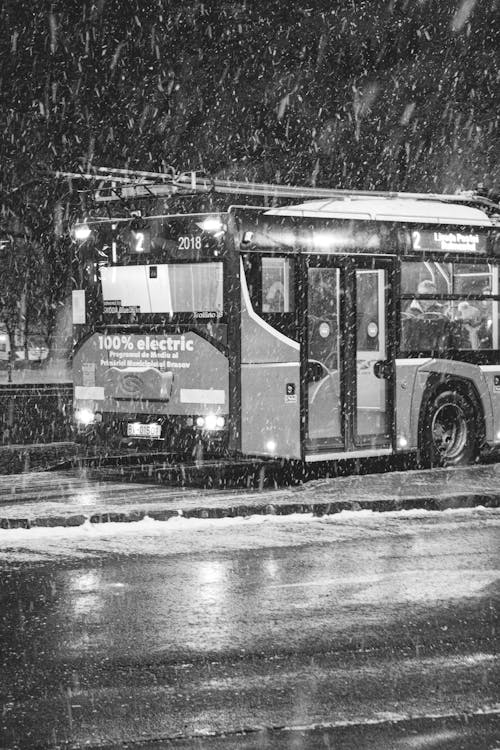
388	209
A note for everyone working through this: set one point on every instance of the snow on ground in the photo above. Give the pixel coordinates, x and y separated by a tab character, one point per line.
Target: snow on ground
183	536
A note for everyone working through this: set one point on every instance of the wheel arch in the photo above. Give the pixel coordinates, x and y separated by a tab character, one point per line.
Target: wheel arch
438	383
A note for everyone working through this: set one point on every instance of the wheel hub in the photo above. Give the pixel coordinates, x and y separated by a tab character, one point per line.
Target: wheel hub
449	430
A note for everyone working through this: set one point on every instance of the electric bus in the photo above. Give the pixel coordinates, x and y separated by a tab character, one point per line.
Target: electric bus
356	326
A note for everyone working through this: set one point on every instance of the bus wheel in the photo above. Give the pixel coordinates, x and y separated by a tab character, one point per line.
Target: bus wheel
449	436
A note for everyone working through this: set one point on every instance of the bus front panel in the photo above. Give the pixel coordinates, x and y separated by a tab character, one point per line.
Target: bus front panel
162	386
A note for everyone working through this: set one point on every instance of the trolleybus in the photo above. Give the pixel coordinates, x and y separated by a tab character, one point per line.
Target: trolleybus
346	327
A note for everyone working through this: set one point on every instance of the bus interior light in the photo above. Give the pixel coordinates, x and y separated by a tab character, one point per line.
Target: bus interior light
211	224
498	436
402	442
271	446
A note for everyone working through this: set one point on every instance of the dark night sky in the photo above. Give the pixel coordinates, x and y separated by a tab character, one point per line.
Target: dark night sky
386	94
359	93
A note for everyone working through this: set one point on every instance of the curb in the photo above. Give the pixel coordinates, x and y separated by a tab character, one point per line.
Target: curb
385	505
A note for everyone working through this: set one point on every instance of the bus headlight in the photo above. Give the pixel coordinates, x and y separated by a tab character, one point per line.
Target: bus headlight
85	417
211	422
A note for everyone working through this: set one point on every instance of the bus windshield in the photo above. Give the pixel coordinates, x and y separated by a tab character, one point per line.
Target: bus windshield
159	265
163	288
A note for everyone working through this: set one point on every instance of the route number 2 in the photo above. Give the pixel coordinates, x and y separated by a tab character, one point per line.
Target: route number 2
140	241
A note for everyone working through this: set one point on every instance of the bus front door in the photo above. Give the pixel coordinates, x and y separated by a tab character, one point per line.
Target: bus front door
346	402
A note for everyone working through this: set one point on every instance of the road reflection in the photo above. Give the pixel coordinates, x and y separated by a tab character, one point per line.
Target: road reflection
270	623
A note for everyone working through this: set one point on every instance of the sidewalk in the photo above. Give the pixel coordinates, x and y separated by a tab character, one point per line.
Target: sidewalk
73	497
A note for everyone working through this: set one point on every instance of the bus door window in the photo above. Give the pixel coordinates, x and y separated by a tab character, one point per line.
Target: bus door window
323	381
323	299
371	391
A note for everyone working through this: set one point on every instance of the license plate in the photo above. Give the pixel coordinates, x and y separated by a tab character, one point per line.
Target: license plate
136	429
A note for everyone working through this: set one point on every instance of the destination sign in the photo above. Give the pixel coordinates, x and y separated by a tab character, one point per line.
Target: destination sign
448	242
158	238
183	237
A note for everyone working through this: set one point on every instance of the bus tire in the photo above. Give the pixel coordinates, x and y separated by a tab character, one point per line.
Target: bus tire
449	434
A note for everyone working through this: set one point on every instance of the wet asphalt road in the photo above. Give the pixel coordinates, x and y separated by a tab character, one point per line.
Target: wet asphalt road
209	632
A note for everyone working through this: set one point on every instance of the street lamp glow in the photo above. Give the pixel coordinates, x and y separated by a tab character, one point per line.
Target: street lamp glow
82	232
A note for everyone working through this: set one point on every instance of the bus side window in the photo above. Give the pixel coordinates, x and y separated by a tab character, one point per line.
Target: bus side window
277	285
